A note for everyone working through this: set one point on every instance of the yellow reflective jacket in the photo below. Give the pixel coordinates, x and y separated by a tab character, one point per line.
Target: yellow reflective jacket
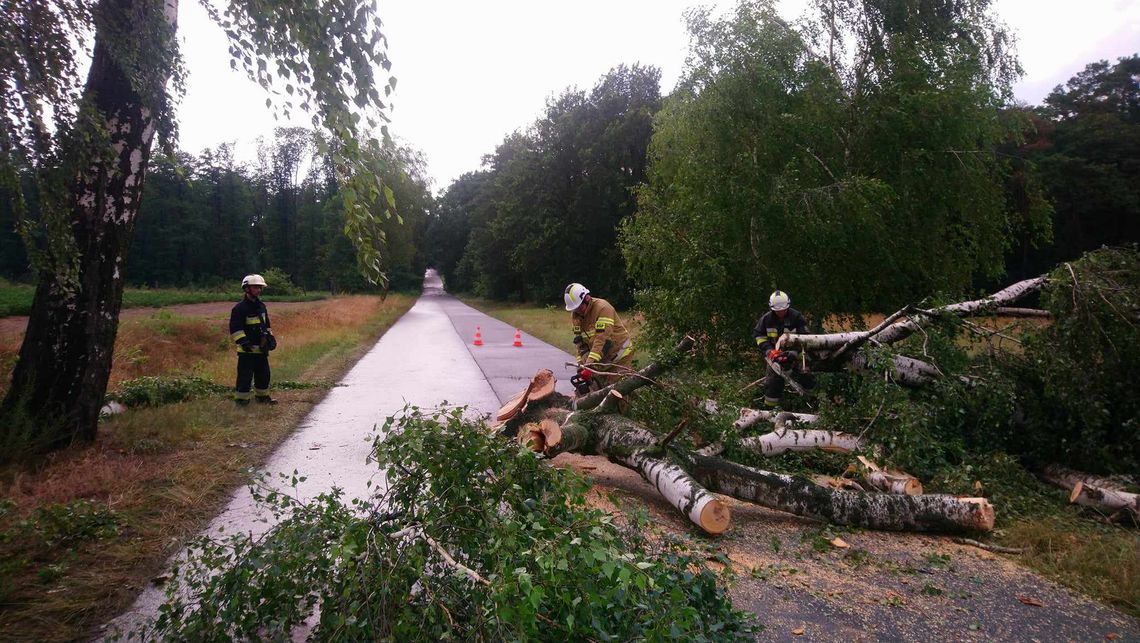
602	331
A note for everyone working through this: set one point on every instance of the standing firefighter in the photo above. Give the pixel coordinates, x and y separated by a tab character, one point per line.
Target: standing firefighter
602	339
249	328
780	319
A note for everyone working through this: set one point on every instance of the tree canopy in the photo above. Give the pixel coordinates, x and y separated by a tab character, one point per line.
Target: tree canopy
88	168
545	211
847	159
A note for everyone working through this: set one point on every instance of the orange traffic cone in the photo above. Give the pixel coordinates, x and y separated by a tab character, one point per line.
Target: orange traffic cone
478	337
518	338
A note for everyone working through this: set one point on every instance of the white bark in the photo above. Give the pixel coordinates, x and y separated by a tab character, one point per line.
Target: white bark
778	442
683	492
782	419
898	484
903	329
906	370
1092	491
1022	312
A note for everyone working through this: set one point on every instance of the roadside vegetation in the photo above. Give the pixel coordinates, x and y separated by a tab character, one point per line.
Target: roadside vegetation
84	529
473	539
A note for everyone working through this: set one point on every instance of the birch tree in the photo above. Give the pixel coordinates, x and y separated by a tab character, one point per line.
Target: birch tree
89	146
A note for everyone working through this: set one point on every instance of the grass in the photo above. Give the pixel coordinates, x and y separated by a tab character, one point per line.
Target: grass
156	475
551	324
1099	559
16	299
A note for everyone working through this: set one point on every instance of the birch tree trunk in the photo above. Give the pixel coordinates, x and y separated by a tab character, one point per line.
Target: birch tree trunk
903	329
685	478
1092	491
803	497
778	442
61	375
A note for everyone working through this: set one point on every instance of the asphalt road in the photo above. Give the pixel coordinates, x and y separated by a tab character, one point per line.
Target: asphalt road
427	359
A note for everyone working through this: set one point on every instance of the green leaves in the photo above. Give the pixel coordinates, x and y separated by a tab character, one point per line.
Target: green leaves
326	53
858	181
550	566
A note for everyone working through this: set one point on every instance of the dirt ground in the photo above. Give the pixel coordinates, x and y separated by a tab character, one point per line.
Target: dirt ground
882	587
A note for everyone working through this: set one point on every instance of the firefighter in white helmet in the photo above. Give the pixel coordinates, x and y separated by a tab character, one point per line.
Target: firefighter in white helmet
250	331
779	319
604	344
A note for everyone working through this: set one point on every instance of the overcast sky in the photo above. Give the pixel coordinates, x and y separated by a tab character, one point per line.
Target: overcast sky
471	72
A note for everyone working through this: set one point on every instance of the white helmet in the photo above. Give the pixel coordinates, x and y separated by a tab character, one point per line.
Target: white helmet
574	295
779	300
253	280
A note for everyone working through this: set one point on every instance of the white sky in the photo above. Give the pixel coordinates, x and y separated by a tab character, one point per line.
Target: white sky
471	72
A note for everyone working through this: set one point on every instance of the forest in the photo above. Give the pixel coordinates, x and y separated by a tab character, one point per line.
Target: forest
207	220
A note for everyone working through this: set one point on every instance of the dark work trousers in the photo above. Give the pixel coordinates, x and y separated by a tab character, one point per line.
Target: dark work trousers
252	368
774	384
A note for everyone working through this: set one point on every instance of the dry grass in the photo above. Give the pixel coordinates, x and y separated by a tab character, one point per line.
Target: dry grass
163	472
1099	560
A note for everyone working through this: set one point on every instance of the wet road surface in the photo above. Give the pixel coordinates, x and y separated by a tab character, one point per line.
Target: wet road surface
426	359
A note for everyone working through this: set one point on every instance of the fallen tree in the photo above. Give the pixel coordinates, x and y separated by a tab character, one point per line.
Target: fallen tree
972	405
685	478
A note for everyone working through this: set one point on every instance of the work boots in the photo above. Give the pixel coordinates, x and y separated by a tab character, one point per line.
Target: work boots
265	399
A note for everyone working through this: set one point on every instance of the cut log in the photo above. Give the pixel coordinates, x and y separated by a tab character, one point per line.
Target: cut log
596	432
675	485
778	442
802	497
903	485
551	433
1088	490
896	482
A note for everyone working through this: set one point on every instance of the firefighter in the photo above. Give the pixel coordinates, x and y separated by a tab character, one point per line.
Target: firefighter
603	342
781	318
249	328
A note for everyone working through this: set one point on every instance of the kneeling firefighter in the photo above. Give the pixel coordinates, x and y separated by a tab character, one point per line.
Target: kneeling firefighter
604	344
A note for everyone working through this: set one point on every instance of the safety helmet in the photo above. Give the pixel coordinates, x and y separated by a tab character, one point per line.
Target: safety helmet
574	295
253	280
779	300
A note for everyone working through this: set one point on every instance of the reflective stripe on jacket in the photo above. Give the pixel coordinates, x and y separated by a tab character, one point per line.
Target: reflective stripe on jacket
249	323
597	326
769	328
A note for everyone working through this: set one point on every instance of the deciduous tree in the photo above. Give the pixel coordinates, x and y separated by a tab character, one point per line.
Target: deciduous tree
322	56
